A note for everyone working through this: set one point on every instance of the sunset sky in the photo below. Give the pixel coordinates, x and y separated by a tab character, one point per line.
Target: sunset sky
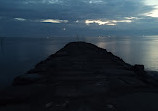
48	18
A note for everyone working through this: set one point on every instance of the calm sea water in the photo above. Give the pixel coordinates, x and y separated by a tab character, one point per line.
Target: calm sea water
17	55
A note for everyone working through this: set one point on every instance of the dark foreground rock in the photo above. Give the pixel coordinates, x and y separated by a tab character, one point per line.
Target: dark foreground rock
82	77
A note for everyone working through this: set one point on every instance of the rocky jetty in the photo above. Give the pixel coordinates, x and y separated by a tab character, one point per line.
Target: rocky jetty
82	77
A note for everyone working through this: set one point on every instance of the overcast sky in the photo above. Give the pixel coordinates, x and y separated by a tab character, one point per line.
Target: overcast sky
43	18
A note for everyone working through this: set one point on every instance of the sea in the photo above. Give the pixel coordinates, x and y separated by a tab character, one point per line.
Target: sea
19	54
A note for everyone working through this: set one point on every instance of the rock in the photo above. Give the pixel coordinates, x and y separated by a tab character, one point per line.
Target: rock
139	70
80	76
152	77
21	94
26	79
138	67
110	107
49	105
140	101
153	74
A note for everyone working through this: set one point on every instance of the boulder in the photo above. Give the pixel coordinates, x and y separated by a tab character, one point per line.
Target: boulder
138	67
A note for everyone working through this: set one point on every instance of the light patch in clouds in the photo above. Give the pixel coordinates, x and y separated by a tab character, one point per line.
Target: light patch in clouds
29	2
96	1
20	19
151	2
107	22
52	1
125	21
154	4
131	18
77	21
54	21
153	13
43	2
99	22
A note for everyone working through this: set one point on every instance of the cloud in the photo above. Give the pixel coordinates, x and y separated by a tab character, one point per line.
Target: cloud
20	19
107	22
43	2
80	15
96	1
99	22
153	13
131	18
54	21
72	10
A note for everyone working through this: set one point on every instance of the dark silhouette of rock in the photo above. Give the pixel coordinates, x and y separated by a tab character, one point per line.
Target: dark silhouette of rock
138	67
26	79
80	77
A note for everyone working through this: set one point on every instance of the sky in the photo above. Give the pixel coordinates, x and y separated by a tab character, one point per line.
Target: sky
49	18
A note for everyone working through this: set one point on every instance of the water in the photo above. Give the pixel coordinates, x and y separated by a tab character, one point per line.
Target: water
17	55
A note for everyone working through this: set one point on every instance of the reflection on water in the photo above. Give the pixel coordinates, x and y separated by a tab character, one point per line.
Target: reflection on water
17	55
133	50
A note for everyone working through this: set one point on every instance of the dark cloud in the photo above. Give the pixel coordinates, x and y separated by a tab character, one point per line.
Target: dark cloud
71	9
